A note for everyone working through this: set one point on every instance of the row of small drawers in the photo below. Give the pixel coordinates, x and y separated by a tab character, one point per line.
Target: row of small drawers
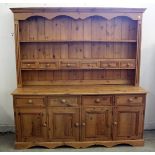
73	101
78	64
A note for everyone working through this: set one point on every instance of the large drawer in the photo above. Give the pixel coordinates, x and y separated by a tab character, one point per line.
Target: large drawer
29	101
96	100
129	100
63	101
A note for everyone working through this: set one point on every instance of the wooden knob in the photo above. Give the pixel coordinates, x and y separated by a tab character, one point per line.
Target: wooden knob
63	101
76	124
130	99
28	65
48	65
68	65
128	64
83	124
44	125
115	123
97	100
29	101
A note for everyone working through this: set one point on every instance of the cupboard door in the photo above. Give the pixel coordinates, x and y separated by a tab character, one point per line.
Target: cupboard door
31	124
128	122
63	124
96	123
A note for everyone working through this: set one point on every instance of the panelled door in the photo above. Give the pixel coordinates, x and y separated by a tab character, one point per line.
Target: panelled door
128	122
96	123
31	124
63	123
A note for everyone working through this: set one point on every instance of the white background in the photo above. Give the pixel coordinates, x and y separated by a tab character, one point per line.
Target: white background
7	52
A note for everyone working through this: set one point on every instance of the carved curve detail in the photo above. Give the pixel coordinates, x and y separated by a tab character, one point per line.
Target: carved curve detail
77	16
77	145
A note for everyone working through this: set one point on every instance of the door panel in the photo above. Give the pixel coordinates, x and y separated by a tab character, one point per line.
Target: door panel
31	124
96	123
128	122
63	124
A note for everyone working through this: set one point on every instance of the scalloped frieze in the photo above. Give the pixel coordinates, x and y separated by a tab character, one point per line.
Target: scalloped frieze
77	15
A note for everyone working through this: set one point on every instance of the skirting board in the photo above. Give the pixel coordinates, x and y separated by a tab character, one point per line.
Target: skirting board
7	128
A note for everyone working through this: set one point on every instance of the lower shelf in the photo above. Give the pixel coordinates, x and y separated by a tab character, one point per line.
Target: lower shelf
51	145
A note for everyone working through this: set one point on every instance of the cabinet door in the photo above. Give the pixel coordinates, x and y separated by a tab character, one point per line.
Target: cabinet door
63	124
128	122
31	124
96	123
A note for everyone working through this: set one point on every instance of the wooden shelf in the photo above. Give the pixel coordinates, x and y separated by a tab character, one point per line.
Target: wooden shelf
70	41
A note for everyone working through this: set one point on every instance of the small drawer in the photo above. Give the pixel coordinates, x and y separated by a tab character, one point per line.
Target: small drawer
89	64
128	64
109	64
63	101
96	100
29	101
28	65
129	100
48	65
68	64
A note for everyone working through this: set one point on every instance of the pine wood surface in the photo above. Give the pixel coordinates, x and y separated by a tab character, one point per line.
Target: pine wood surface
78	90
78	77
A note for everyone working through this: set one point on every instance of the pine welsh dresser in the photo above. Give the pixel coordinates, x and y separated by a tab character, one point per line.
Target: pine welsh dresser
78	77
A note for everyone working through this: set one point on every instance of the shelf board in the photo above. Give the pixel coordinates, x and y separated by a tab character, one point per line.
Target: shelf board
70	41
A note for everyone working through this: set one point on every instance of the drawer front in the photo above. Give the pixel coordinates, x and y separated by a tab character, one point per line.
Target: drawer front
109	64
129	100
68	64
48	65
29	101
63	101
28	65
89	64
96	100
128	64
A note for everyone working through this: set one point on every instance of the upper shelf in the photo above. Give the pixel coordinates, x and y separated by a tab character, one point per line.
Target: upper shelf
68	41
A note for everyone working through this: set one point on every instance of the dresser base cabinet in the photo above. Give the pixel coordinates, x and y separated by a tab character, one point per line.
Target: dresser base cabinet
79	120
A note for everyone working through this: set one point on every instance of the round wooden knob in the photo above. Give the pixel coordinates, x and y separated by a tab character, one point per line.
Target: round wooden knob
63	101
128	64
115	123
77	124
97	100
83	124
130	99
30	101
28	65
44	125
68	65
48	65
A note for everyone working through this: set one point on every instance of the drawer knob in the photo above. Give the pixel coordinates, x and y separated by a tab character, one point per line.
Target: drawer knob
83	124
77	124
115	123
30	101
48	65
97	100
68	65
28	65
129	65
130	99
45	124
63	101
